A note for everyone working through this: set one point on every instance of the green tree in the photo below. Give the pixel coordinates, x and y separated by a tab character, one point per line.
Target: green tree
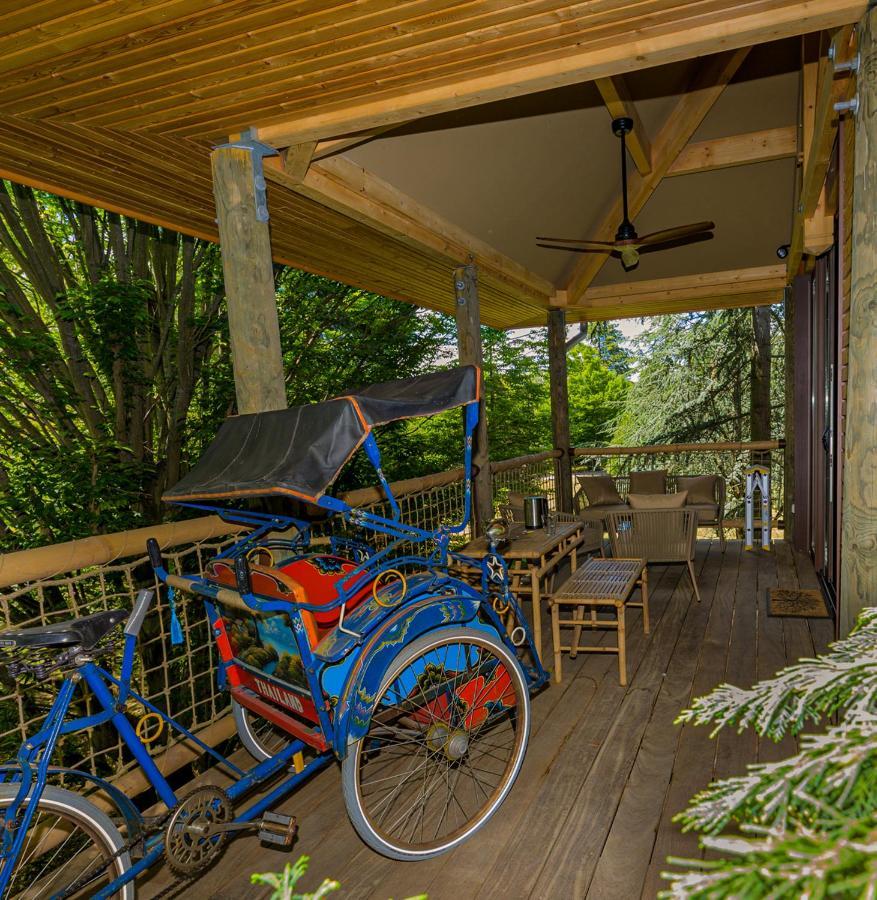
115	362
596	397
696	378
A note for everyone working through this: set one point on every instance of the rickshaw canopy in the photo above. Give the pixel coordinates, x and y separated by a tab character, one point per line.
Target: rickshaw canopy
300	451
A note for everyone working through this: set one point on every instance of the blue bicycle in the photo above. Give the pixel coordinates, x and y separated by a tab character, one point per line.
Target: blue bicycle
416	680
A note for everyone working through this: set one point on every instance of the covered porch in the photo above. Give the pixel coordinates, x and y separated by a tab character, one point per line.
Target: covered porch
415	151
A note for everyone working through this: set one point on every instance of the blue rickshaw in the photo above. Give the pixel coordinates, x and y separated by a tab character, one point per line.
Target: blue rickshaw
410	665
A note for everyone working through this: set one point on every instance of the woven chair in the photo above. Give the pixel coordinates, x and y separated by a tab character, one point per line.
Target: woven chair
655	535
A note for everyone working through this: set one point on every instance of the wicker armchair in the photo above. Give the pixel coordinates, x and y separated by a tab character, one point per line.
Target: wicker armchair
655	535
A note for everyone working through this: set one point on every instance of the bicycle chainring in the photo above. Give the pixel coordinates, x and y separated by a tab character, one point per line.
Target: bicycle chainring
191	842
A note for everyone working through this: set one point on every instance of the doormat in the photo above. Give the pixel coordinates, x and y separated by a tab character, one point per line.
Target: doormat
802	604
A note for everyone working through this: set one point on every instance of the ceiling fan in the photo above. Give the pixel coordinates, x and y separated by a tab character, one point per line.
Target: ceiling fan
627	242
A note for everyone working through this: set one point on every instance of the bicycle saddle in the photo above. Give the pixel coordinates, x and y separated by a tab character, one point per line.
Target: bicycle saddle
85	631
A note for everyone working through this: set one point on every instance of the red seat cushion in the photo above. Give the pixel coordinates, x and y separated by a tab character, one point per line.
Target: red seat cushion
318	575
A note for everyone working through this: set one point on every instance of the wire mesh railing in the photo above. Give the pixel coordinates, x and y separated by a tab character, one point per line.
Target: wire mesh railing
50	584
180	680
534	474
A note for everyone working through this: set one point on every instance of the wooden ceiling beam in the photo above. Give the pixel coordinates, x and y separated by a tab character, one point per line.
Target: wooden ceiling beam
617	99
754	286
707	86
830	89
736	150
297	160
743	25
348	142
820	90
350	189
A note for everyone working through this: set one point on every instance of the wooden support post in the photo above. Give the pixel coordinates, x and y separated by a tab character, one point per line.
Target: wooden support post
470	353
560	408
858	584
249	283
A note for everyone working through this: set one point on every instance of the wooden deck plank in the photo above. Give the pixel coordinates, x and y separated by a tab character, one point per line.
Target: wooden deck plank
514	873
771	649
605	771
695	753
799	642
624	860
570	864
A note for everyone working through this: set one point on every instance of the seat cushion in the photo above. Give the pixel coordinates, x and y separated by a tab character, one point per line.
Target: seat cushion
707	513
658	501
600	490
701	488
652	482
599	513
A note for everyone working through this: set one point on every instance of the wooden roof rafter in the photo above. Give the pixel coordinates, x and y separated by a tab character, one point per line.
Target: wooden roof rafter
619	103
737	26
710	80
821	89
756	286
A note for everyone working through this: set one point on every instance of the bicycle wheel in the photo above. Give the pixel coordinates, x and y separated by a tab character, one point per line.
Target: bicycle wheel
445	742
68	839
261	738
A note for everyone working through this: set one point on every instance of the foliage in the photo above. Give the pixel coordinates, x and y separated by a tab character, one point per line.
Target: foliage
115	363
283	883
597	393
694	379
808	824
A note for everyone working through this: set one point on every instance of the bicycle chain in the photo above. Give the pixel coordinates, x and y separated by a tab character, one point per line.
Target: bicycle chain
153	829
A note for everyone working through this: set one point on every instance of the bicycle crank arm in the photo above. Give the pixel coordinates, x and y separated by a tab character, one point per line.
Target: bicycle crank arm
274	828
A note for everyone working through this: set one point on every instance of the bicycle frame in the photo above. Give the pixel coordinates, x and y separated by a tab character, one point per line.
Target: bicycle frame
34	758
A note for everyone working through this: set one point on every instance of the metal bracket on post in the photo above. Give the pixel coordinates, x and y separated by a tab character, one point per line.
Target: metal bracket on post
258	151
850	66
471	271
851	105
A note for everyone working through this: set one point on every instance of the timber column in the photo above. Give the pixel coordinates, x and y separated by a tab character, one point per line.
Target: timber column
242	216
468	315
560	408
858	584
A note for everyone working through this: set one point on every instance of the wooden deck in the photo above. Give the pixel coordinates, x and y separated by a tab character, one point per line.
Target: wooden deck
606	769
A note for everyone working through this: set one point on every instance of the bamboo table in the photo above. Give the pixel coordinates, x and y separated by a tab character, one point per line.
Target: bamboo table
599	582
533	558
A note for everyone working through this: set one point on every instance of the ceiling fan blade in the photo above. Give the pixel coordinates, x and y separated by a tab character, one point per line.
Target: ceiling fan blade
597	245
571	249
675	234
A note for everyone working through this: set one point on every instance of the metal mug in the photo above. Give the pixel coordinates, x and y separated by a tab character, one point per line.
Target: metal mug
535	512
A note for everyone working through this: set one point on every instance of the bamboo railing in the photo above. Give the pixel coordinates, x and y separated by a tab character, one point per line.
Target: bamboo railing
48	584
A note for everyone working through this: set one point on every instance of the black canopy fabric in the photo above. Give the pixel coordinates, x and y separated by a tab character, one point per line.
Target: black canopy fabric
300	451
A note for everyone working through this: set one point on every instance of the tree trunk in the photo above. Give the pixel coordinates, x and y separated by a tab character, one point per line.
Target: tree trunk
759	409
557	372
471	353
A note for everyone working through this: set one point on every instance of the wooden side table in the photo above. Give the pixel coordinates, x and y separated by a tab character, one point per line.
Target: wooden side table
596	583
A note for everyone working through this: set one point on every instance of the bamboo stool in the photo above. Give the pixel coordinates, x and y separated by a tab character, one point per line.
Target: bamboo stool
599	582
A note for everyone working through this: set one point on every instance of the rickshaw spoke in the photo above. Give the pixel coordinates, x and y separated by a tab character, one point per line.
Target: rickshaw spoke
465	694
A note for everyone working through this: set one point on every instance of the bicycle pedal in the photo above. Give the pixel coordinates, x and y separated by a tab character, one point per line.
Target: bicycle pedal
275	828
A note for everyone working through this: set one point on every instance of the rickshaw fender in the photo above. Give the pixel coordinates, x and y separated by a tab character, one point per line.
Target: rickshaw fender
353	710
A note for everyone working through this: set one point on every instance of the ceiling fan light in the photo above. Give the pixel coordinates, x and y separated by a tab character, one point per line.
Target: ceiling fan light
629	257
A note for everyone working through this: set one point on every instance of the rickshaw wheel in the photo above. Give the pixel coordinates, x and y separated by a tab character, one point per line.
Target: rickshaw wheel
261	738
445	742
